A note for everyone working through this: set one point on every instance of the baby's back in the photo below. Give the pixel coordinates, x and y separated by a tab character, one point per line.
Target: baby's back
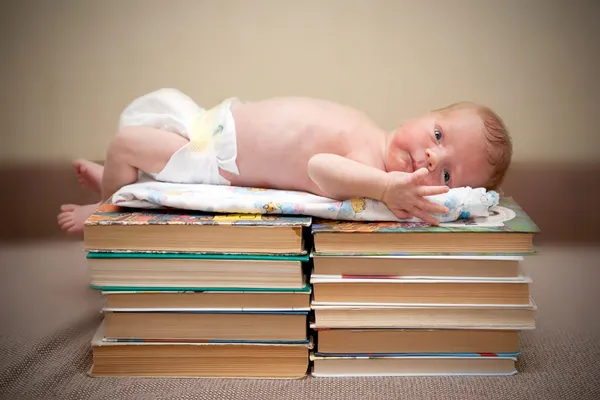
277	137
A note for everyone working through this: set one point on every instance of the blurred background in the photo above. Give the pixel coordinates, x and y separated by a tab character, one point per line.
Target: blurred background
69	67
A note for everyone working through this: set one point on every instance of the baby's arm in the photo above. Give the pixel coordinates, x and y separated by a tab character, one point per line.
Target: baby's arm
342	178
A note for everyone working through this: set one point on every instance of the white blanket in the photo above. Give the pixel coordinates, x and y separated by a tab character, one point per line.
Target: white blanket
463	202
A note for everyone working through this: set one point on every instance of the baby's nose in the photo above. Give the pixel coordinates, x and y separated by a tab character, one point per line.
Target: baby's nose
433	158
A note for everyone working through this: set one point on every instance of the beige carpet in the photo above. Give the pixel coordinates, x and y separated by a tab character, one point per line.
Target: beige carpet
48	315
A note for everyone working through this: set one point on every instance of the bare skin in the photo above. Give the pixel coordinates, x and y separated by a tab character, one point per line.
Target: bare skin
89	174
73	216
319	147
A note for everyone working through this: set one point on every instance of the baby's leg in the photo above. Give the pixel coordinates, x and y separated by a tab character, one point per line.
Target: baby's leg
137	148
72	217
89	174
133	148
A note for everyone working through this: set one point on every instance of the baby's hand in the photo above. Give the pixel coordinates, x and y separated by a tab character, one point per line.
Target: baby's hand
404	196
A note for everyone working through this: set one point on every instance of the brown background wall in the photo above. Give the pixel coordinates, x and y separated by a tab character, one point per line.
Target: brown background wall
69	67
558	196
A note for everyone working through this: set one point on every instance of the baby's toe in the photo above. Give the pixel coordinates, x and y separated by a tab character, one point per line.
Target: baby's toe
67	225
68	207
72	229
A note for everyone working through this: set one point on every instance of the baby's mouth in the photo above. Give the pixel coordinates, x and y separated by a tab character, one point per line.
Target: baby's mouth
407	159
415	165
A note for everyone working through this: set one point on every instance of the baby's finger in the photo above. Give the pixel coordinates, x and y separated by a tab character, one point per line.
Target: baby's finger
432	190
432	207
402	214
419	174
430	219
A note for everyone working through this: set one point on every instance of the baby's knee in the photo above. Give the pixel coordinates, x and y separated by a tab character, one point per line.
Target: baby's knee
125	142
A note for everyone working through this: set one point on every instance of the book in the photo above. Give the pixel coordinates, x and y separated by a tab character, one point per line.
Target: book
340	342
207	325
216	299
331	289
417	266
508	231
193	270
198	360
440	316
114	228
411	366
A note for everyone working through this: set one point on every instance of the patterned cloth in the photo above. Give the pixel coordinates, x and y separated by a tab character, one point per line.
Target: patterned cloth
462	203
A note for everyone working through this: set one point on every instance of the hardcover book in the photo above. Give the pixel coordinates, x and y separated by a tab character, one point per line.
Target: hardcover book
508	230
114	228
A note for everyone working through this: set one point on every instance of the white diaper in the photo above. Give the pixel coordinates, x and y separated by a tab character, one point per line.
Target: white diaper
211	133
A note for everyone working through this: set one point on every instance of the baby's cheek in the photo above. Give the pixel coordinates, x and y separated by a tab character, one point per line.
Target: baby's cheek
434	179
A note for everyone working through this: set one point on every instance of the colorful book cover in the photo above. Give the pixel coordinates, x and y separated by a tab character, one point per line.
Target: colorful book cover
507	216
110	214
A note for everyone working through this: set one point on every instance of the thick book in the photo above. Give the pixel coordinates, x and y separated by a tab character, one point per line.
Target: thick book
194	270
207	325
337	342
417	266
425	316
332	289
412	365
216	299
114	228
198	360
508	231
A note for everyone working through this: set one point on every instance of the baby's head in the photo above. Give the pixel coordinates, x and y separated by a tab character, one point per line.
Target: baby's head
463	144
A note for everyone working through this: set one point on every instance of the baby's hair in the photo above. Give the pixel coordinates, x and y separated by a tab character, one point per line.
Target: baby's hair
498	143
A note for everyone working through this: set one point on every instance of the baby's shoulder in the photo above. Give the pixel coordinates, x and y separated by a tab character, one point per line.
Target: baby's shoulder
365	133
366	148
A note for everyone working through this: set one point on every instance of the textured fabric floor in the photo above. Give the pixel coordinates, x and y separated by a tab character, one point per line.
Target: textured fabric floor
48	316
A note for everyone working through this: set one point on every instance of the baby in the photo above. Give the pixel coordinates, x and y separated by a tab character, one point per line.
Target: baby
300	144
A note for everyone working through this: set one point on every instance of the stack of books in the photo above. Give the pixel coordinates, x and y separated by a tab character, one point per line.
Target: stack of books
394	299
190	294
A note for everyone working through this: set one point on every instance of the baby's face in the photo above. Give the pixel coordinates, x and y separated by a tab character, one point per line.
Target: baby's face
451	146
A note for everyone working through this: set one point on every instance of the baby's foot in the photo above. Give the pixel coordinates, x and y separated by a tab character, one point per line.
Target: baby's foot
73	216
89	174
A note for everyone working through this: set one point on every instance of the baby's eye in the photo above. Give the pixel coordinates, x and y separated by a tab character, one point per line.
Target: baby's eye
446	177
438	134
